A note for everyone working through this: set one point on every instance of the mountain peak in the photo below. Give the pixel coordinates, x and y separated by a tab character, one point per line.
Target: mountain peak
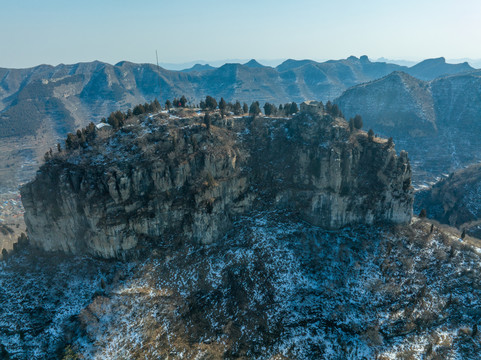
253	64
433	61
292	64
364	59
199	67
433	68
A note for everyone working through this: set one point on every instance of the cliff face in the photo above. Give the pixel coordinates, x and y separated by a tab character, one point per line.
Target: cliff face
138	187
331	177
160	181
456	200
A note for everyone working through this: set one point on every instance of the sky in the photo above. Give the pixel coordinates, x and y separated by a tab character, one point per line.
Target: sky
34	32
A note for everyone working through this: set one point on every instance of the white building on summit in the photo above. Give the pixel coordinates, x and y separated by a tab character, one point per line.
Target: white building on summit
312	107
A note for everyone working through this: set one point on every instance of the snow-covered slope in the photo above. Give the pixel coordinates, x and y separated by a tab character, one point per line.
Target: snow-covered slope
274	288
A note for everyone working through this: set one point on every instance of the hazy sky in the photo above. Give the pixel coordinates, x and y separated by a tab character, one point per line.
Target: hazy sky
34	32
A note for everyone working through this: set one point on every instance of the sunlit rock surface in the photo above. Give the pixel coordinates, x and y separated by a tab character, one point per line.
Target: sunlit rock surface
161	179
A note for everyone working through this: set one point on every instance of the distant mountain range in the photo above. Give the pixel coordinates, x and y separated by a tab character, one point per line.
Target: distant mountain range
399	104
437	121
46	102
71	95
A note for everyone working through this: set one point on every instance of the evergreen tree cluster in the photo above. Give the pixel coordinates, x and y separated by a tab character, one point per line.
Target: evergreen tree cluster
143	109
210	104
116	119
179	103
356	123
333	110
283	110
80	139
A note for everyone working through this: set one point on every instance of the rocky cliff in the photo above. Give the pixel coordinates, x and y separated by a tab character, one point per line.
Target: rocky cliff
435	121
456	200
161	180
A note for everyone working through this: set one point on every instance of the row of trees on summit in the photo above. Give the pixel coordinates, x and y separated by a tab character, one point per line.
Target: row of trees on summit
118	118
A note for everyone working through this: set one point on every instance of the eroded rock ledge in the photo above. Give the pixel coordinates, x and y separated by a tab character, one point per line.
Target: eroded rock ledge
161	180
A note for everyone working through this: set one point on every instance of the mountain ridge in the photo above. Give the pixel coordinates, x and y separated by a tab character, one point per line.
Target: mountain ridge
435	121
75	94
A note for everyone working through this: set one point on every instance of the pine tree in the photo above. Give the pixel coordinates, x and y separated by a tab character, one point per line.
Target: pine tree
269	109
293	108
138	109
81	137
370	135
423	213
237	108
168	105
329	107
254	109
207	121
157	105
148	108
351	124
183	101
71	142
210	102
335	111
90	132
358	121
245	108
222	106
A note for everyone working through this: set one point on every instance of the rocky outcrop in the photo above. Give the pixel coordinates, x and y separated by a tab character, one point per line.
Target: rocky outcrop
315	166
157	182
456	200
138	189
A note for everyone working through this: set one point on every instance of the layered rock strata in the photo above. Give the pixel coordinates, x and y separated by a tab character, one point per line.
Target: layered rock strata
158	182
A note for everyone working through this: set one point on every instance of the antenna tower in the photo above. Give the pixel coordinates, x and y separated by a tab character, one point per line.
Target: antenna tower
158	68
